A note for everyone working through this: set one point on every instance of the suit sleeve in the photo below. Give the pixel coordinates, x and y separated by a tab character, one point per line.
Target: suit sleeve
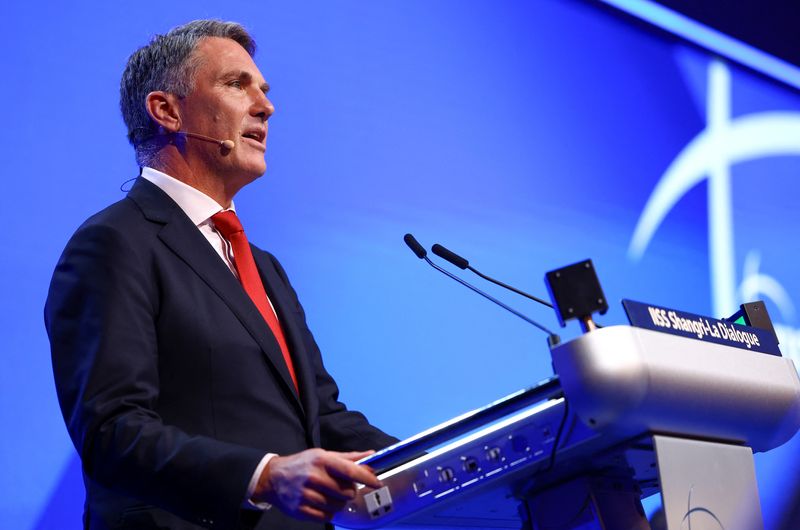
341	429
101	315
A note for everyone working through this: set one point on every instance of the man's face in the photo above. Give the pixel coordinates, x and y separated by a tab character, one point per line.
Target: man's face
228	102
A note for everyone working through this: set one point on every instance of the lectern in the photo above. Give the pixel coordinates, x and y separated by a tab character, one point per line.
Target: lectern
630	413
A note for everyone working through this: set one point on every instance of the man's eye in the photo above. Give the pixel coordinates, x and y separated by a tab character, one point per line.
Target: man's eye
235	83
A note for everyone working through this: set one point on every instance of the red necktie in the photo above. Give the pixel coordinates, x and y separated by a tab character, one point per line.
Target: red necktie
228	224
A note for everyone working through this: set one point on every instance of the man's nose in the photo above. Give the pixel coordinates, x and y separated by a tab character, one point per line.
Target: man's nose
262	106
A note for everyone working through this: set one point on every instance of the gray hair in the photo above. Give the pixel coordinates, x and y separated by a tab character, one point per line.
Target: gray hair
168	63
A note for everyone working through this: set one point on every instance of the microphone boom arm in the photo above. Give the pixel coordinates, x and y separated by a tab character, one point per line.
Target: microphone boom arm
487	296
506	286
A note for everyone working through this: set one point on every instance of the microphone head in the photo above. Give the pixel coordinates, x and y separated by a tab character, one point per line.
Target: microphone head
452	257
415	247
227	144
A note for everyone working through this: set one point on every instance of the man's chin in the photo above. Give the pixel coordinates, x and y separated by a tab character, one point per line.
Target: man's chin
260	171
253	170
252	173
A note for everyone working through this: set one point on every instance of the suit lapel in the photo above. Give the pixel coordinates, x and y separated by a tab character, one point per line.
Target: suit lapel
186	241
284	307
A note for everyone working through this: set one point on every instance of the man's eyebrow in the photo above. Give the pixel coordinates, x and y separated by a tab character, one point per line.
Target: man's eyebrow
239	74
245	76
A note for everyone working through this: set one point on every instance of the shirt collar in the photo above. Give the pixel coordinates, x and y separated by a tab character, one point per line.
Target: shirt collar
198	206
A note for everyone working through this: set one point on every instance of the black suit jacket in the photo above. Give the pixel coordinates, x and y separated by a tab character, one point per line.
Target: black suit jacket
170	382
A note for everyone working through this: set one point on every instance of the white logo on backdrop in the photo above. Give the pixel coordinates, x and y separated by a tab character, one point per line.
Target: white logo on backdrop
724	142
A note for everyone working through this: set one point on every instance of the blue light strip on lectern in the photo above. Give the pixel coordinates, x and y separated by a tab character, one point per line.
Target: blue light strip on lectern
710	39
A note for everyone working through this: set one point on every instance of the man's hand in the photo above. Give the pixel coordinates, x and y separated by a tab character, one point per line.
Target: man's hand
313	484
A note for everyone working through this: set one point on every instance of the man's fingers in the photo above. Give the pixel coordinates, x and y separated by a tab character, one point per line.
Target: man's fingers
353	456
345	484
325	504
315	483
314	514
322	502
333	486
346	469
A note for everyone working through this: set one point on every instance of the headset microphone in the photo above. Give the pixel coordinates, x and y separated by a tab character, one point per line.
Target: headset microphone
225	144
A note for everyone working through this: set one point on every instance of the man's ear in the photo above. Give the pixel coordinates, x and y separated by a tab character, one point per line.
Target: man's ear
163	109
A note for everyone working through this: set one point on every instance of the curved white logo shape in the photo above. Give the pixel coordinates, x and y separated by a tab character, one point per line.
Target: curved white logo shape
710	154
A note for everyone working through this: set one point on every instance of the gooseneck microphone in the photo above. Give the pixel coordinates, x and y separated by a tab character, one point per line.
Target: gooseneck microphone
462	263
421	253
416	248
225	144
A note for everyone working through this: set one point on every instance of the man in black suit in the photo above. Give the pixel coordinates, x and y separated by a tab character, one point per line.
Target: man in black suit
188	379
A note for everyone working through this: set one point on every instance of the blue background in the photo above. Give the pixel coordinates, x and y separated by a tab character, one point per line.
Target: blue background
523	135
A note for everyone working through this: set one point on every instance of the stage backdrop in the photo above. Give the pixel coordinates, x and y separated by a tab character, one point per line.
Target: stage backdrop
523	135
